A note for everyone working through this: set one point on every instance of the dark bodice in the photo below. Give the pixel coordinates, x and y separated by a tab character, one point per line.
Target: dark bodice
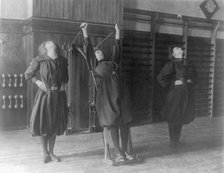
52	72
176	70
105	68
180	70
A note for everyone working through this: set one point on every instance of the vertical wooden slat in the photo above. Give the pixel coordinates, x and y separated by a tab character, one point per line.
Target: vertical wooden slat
97	11
212	69
153	37
73	6
185	37
199	53
57	9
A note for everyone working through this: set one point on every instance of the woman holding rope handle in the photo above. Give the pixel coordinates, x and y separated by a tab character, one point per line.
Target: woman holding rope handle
108	99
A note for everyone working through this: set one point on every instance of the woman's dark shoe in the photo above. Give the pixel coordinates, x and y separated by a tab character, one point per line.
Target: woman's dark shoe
47	159
55	158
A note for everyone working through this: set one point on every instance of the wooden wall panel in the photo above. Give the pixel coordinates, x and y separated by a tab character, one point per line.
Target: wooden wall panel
96	11
199	53
137	73
12	61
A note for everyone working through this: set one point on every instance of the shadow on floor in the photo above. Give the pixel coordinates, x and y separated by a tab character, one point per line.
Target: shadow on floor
146	150
163	149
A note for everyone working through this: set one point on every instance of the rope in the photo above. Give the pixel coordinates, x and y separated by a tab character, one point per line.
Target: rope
83	55
76	37
94	80
104	40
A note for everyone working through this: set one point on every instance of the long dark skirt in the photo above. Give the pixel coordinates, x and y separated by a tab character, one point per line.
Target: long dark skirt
49	114
179	105
111	105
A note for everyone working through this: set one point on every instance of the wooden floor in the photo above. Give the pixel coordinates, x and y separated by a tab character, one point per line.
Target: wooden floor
201	151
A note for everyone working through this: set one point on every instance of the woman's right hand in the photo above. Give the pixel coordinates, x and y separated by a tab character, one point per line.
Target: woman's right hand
41	85
117	34
83	26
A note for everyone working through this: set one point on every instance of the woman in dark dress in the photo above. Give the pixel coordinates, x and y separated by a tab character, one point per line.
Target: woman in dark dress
178	108
49	113
110	108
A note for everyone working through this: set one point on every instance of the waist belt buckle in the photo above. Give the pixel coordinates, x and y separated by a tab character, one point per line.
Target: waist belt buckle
54	88
178	82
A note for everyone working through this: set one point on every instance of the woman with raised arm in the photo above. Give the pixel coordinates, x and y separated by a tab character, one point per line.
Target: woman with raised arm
49	113
180	77
108	99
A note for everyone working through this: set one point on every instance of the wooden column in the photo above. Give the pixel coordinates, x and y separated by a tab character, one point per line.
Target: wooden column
185	37
153	49
212	69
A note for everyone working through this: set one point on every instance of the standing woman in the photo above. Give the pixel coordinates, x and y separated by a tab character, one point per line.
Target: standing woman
109	104
49	113
178	108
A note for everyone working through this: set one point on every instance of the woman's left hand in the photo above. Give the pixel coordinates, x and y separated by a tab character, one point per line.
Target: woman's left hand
117	27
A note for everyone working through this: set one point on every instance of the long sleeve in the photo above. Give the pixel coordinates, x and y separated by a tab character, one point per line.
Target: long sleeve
165	74
116	52
89	53
30	73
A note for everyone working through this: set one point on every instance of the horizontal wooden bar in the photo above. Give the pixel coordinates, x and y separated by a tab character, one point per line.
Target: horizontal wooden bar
193	22
130	44
37	24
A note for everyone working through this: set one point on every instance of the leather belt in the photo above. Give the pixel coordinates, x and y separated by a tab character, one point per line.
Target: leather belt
56	88
180	81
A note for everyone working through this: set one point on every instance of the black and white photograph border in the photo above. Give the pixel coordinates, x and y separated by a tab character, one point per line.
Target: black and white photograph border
109	86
